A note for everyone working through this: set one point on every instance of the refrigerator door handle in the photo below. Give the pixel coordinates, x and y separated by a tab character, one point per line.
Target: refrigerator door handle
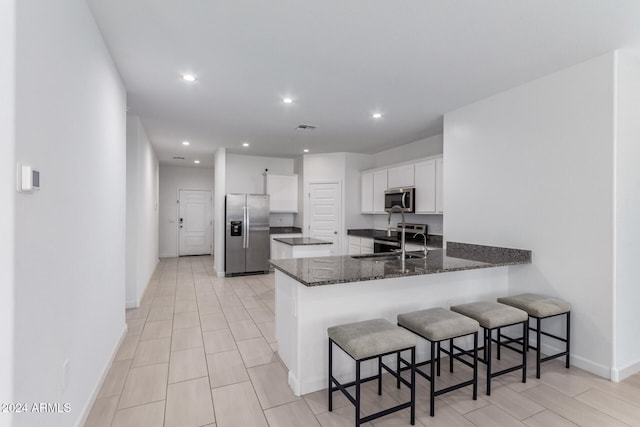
246	234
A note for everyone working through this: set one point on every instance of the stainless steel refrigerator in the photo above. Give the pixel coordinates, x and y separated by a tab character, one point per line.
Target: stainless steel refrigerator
247	243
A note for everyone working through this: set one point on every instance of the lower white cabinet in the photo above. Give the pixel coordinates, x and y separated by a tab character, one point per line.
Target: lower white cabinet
360	245
276	249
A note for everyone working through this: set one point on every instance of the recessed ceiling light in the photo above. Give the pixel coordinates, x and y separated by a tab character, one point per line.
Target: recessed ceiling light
376	115
196	161
287	100
188	77
186	143
306	150
245	144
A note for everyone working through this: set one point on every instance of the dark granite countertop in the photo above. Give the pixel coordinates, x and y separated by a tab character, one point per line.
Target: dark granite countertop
433	240
347	269
285	230
301	241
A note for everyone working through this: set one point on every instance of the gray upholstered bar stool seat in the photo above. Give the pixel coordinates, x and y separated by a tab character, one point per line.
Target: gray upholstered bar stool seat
543	307
367	340
493	316
437	325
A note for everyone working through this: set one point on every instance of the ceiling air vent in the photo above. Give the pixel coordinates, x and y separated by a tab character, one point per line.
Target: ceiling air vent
178	158
307	127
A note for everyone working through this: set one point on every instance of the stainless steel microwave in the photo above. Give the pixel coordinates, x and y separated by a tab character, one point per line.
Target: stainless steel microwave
403	197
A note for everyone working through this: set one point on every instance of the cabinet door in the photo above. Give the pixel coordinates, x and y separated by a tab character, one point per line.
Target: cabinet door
366	192
439	186
379	187
354	245
401	176
366	245
283	192
425	192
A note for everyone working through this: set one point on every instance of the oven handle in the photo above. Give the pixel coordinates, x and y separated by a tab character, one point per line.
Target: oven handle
388	243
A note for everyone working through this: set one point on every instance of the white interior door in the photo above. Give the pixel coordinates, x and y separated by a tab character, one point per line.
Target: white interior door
324	213
194	223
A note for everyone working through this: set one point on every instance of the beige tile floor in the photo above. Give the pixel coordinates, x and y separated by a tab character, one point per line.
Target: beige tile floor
200	352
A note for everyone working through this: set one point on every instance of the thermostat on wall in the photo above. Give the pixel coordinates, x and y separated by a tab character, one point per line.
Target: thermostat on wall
29	179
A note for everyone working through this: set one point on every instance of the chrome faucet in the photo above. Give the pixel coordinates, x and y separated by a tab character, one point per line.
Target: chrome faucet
403	254
424	236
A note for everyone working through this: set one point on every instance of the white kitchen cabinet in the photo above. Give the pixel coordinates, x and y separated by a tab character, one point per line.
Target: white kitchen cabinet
360	245
372	188
379	187
277	249
366	192
425	189
439	186
283	192
400	176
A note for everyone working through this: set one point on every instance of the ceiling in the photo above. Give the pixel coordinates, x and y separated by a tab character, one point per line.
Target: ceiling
340	61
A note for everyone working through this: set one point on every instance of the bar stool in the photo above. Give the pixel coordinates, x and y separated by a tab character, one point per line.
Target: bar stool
492	316
540	307
367	340
436	325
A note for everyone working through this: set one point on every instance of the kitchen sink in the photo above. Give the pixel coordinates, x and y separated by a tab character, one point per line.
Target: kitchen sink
386	257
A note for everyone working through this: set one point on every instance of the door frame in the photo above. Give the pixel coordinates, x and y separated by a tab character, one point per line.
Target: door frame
178	190
306	223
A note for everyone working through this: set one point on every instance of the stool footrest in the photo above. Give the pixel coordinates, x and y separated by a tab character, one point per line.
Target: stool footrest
506	371
385	412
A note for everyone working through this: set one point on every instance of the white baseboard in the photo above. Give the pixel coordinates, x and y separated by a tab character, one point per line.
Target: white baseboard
620	374
131	304
168	255
577	361
94	395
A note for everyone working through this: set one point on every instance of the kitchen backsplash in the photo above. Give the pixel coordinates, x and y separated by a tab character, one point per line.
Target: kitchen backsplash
433	221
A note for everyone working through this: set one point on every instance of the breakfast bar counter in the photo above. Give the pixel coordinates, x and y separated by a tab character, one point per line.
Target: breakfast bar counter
313	294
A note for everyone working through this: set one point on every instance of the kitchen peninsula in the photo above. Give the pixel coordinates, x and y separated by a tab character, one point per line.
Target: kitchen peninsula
315	293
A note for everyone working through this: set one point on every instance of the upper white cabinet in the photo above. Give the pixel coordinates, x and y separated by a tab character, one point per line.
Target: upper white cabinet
424	175
379	187
400	176
366	192
283	192
425	187
373	186
439	186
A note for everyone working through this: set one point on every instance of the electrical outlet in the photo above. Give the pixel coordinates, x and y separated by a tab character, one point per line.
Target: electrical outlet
65	374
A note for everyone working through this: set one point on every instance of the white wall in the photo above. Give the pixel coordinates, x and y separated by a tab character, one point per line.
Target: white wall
627	208
220	162
142	211
172	179
532	168
414	150
7	195
298	167
244	173
70	235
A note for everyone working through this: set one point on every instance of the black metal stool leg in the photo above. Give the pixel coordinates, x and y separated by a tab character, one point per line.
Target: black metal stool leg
438	356
475	366
398	371
379	375
498	345
432	393
451	355
538	345
488	356
525	345
330	397
357	393
568	335
413	386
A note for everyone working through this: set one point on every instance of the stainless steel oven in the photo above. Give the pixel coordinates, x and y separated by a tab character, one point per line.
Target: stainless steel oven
402	197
